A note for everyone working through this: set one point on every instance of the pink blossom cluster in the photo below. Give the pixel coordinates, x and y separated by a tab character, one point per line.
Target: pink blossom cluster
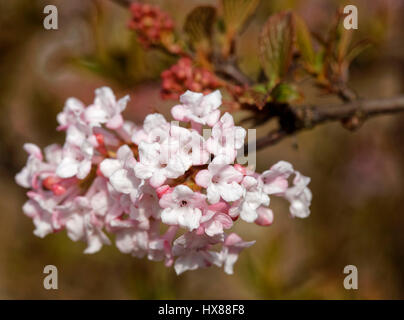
164	190
150	23
184	76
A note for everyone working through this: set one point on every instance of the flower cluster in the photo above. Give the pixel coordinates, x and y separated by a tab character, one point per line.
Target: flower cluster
150	24
164	190
184	76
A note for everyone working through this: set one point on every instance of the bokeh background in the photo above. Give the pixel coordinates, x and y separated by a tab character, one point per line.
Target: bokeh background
357	178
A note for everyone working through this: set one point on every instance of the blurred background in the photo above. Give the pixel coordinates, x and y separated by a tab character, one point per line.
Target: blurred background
357	178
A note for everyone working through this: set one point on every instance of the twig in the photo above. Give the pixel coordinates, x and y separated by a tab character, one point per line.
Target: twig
124	3
294	119
231	70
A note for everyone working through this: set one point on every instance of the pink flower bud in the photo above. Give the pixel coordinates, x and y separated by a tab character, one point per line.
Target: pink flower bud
165	189
265	217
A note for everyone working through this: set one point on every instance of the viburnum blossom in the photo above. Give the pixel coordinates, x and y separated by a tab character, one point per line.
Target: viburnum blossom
162	189
184	75
150	23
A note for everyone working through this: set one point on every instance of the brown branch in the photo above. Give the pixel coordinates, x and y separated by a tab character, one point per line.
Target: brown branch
293	119
230	69
124	3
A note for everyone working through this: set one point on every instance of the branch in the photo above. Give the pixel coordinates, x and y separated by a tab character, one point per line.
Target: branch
231	70
293	119
124	3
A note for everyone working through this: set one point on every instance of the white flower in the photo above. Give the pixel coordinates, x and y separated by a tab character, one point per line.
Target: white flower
71	114
42	216
76	161
275	182
105	109
276	179
214	223
232	247
155	166
221	180
121	174
82	223
133	241
192	252
155	129
299	196
253	199
182	207
188	145
25	177
226	138
198	108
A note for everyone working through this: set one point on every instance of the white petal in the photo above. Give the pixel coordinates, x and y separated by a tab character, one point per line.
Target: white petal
203	178
190	218
33	150
109	166
75	136
190	261
95	115
42	228
169	216
84	169
143	171
153	121
213	100
23	178
157	179
121	182
231	192
248	213
124	241
213	118
94	244
214	228
191	98
115	122
75	227
67	168
179	112
213	193
182	192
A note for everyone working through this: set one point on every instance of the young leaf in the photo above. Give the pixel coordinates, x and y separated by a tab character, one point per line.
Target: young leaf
276	46
357	49
285	93
304	42
343	43
199	24
236	13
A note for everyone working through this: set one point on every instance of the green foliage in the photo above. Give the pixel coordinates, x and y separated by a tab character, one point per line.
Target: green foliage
285	93
276	46
305	43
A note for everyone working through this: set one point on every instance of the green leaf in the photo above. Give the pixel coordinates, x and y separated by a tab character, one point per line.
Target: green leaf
199	24
357	49
236	14
319	61
343	42
304	42
89	63
285	93
276	46
260	88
